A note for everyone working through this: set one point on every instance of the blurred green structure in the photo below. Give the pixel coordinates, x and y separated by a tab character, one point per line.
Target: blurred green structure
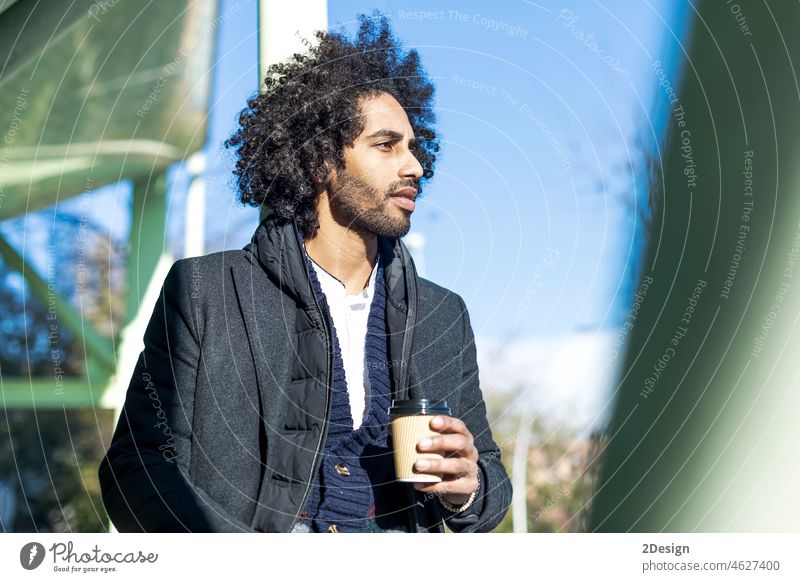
92	93
706	435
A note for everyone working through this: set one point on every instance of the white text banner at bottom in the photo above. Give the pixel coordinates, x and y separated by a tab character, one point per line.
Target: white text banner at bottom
449	557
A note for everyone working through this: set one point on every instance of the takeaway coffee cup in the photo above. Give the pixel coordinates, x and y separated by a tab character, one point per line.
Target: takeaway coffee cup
409	422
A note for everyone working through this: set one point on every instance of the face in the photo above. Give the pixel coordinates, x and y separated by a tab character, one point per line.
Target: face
376	190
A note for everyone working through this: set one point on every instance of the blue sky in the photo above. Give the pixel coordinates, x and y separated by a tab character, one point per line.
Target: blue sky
530	215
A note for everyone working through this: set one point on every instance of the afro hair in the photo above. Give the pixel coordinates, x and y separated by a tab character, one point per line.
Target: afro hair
307	113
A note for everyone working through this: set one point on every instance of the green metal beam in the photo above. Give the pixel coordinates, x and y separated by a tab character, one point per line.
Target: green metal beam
48	392
26	32
97	345
148	234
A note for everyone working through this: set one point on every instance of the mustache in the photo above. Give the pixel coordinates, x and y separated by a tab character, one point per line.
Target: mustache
410	183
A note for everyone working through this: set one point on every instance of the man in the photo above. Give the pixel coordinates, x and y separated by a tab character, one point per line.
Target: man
260	401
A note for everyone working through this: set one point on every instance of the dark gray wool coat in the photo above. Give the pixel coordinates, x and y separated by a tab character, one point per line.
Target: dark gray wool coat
224	420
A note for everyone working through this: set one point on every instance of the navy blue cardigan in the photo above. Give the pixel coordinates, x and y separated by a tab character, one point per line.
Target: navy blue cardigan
355	488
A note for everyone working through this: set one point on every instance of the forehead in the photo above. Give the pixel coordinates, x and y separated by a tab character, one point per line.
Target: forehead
384	112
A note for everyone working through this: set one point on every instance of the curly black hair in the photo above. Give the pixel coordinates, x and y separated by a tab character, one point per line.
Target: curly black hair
308	113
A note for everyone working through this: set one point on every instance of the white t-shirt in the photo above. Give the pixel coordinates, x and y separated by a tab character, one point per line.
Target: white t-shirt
350	314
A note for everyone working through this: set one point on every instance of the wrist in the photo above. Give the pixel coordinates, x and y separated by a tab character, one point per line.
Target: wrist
456	498
458	502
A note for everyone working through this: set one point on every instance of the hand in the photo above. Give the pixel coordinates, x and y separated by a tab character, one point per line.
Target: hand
459	468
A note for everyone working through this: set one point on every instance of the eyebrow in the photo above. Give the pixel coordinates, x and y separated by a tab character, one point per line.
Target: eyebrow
390	133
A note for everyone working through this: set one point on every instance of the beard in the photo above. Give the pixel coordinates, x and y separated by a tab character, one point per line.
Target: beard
362	207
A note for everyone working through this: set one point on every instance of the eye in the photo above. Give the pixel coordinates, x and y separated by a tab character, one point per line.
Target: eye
386	144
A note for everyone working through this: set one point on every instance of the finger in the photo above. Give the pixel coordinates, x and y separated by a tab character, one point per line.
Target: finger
445	443
449	424
463	486
456	468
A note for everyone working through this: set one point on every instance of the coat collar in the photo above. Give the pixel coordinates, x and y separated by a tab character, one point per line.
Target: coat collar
277	246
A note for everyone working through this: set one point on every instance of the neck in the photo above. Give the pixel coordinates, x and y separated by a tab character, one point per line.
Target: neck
347	254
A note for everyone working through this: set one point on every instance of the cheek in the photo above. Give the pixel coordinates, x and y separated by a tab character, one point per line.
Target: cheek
371	171
371	167
375	177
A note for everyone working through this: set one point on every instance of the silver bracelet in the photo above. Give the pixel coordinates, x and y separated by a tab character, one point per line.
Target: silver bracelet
454	508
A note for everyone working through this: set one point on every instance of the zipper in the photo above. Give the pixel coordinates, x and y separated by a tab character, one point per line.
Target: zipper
408	336
317	455
405	382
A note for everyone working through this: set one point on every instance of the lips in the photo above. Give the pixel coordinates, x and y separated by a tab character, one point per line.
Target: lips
405	203
404	198
410	193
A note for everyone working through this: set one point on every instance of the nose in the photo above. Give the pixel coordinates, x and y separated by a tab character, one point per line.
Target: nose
411	167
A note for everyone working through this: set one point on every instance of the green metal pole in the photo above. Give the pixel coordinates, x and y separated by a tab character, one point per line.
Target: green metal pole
148	236
704	436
